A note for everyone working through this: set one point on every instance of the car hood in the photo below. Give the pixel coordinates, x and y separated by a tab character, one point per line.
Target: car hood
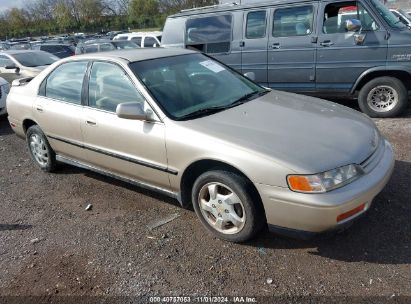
305	134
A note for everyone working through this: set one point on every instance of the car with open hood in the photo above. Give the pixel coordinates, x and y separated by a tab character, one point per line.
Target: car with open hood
181	123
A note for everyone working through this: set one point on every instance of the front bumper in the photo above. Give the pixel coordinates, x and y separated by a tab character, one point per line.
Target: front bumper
316	213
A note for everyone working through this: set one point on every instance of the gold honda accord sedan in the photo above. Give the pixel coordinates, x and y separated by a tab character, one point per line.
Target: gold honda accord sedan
176	121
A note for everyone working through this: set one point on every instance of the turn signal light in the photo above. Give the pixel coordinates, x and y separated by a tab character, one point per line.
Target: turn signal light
299	183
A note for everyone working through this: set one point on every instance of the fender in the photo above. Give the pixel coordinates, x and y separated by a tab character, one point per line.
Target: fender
388	68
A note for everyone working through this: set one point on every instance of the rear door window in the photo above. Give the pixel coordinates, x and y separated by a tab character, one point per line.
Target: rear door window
65	82
294	21
209	34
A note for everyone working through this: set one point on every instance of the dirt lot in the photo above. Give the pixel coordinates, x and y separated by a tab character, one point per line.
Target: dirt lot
50	245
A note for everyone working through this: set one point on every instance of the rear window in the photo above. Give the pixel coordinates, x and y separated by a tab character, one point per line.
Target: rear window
209	34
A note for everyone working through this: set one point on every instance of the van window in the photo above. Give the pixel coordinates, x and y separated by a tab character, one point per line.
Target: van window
336	14
255	27
294	21
209	34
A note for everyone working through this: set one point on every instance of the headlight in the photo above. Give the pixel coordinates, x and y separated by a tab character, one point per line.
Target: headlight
326	181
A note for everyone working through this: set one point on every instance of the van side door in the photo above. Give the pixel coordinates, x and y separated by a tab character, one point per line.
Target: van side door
343	55
292	47
254	44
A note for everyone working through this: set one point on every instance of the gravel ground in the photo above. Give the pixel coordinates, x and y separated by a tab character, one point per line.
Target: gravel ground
50	245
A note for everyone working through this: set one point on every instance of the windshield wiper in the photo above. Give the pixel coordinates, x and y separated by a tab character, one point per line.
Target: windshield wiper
203	112
247	97
212	110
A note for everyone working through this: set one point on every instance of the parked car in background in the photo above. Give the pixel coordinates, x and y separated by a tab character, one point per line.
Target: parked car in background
4	90
20	46
403	16
20	64
59	50
112	34
104	45
142	39
4	46
355	49
179	122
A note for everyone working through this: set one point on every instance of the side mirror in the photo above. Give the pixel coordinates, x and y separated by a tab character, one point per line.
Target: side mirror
134	110
250	75
12	67
353	25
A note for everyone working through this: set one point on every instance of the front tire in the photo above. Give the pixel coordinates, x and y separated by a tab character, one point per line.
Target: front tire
40	150
383	97
227	206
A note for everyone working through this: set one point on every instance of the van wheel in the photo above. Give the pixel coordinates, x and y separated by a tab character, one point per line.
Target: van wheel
383	97
40	150
224	203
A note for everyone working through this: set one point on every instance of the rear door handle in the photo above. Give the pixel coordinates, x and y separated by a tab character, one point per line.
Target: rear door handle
39	108
327	43
276	46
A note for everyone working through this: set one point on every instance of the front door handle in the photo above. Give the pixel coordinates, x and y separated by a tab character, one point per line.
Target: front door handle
276	46
327	43
91	122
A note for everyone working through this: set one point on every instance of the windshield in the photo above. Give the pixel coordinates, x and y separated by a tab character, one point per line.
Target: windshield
34	59
187	85
388	16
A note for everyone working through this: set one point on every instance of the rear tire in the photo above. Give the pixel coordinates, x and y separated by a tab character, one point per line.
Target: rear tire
383	97
40	150
227	206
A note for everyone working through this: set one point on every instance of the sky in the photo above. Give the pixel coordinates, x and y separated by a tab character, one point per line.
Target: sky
6	4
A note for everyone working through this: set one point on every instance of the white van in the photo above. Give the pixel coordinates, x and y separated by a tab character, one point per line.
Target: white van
142	39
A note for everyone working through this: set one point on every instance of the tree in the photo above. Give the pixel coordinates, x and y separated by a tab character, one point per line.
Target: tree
143	12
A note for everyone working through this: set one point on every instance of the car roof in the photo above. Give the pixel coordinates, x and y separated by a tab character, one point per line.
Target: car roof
234	6
136	54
